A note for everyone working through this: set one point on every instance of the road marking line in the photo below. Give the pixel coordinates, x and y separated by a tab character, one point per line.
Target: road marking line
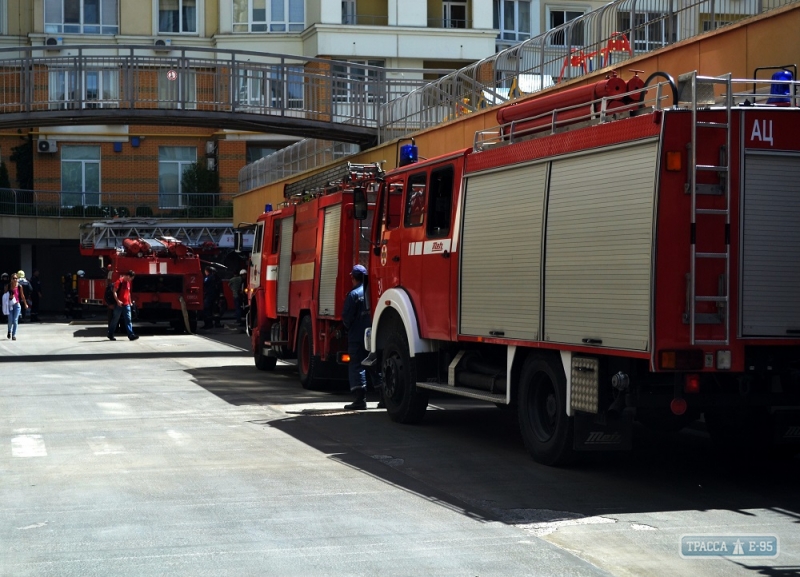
28	446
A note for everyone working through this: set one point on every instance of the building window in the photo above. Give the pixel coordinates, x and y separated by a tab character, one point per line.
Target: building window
415	203
454	14
559	17
81	17
268	16
513	19
173	162
286	87
354	82
177	16
349	12
180	93
99	89
250	87
80	175
649	31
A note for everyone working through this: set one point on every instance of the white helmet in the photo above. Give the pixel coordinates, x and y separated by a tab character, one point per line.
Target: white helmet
81	273
243	271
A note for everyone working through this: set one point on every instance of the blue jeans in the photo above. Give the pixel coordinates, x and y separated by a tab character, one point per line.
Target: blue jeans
13	318
124	312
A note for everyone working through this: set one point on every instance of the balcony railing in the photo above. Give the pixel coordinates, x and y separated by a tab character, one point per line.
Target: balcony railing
364	20
105	205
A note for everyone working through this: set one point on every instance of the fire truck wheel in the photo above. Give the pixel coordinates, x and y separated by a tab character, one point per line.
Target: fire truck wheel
546	428
263	362
405	403
308	365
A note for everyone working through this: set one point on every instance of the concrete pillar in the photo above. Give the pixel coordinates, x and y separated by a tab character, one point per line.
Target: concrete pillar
482	17
408	13
329	12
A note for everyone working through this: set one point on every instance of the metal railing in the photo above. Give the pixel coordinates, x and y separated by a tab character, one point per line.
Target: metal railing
47	203
365	20
132	82
604	37
299	157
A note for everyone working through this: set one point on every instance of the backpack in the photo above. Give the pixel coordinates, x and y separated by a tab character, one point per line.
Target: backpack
108	296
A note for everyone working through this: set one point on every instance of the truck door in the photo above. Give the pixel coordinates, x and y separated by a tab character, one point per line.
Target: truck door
388	262
426	267
254	280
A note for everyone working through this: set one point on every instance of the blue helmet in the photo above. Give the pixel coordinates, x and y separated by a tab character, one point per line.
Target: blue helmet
359	269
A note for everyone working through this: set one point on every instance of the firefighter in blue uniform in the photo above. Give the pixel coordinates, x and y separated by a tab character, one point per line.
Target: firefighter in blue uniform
356	319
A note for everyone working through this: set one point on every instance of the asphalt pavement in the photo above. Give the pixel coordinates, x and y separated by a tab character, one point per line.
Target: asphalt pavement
173	455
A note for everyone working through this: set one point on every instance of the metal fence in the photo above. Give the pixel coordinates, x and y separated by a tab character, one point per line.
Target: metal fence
604	37
80	78
106	205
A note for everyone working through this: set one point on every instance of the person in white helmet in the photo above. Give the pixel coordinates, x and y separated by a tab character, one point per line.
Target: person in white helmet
236	283
25	286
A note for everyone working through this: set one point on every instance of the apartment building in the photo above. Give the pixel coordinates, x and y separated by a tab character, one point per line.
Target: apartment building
100	163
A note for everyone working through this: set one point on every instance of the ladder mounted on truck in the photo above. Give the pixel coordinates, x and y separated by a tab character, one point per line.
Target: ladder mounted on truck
331	180
699	92
108	235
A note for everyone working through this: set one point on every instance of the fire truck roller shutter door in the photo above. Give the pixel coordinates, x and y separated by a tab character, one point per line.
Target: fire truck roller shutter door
501	253
771	246
285	264
329	260
598	252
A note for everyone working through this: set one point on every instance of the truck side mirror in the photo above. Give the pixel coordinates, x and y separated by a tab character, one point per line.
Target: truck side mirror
359	204
238	240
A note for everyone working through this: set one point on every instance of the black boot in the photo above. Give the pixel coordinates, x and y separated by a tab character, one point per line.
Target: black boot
360	403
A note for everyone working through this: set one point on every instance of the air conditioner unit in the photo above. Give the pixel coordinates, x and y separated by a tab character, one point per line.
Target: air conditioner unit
162	43
211	163
47	146
53	41
211	148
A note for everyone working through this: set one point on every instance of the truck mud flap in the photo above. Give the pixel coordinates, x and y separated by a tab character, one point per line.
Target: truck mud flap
603	433
787	427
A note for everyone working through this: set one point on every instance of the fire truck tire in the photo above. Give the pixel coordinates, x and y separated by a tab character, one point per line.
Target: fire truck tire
308	365
546	429
405	403
263	362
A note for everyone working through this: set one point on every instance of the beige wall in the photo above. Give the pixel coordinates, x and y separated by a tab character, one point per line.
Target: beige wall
762	41
373	8
136	18
212	16
20	17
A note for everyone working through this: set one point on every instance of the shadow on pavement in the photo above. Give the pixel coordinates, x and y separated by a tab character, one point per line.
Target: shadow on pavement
471	457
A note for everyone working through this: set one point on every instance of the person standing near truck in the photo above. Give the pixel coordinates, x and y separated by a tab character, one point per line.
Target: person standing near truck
235	284
122	296
355	317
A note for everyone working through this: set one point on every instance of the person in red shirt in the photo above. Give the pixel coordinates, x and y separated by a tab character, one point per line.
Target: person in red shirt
122	294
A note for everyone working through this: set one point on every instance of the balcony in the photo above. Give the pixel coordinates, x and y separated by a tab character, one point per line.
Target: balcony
106	205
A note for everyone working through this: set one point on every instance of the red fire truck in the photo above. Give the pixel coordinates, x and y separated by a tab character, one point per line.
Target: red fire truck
631	261
166	257
299	271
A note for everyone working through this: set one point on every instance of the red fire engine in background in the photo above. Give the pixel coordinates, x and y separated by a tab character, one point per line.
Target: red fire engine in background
633	261
299	271
166	257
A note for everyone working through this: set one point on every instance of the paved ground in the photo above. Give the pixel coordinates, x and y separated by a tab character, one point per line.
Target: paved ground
173	455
